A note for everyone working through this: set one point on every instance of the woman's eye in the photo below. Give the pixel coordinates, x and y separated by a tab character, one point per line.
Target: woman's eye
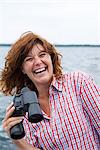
28	59
42	54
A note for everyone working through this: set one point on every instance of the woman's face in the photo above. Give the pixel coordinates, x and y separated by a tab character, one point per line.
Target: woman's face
38	66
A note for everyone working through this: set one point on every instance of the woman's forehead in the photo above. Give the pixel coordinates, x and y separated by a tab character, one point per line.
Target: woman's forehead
37	48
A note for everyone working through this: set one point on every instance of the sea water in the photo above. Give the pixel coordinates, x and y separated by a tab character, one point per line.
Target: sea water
83	58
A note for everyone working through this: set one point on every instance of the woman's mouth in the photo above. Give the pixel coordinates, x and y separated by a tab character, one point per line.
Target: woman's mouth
40	70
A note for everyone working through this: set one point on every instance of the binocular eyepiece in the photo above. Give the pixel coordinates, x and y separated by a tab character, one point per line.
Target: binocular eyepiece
25	101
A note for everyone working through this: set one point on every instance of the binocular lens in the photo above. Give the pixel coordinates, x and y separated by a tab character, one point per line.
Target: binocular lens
17	132
36	118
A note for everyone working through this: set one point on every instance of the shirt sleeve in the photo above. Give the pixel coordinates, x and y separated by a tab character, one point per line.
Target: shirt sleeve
90	95
29	133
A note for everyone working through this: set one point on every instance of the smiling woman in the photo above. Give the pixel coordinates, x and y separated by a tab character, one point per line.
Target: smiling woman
69	102
38	66
22	53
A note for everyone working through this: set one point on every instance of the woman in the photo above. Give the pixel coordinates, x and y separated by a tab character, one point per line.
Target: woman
70	103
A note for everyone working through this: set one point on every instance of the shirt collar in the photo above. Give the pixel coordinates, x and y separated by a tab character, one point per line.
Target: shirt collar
57	83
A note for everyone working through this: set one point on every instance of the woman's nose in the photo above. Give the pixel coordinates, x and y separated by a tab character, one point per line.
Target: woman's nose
37	60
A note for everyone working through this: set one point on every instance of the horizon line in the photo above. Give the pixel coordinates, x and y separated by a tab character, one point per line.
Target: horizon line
63	45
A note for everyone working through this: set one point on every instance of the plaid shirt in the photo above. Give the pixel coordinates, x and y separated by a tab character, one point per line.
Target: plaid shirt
74	122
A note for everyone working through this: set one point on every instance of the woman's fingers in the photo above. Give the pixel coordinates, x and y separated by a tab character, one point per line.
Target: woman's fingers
9	107
10	121
9	112
7	125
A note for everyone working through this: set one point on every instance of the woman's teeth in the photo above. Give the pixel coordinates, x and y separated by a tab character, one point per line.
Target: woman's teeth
39	70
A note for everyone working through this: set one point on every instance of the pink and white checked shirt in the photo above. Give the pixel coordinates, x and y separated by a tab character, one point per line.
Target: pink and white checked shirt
74	123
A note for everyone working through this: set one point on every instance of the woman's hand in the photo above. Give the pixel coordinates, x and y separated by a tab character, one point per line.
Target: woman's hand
9	121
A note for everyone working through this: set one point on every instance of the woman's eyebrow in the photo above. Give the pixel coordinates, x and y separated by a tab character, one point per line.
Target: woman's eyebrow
30	54
42	51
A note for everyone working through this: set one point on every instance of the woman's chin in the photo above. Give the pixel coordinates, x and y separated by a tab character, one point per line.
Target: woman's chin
43	81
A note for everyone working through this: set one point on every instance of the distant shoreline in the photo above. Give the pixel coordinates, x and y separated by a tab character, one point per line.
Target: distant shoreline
76	45
65	45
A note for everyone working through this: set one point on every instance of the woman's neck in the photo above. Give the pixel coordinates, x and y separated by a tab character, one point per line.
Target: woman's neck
43	91
43	97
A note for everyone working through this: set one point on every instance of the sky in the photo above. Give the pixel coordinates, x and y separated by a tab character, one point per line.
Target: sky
59	21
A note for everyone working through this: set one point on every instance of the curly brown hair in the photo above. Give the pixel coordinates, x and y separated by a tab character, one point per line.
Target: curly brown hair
12	78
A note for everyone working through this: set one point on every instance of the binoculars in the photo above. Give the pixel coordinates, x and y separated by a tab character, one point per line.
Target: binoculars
25	101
